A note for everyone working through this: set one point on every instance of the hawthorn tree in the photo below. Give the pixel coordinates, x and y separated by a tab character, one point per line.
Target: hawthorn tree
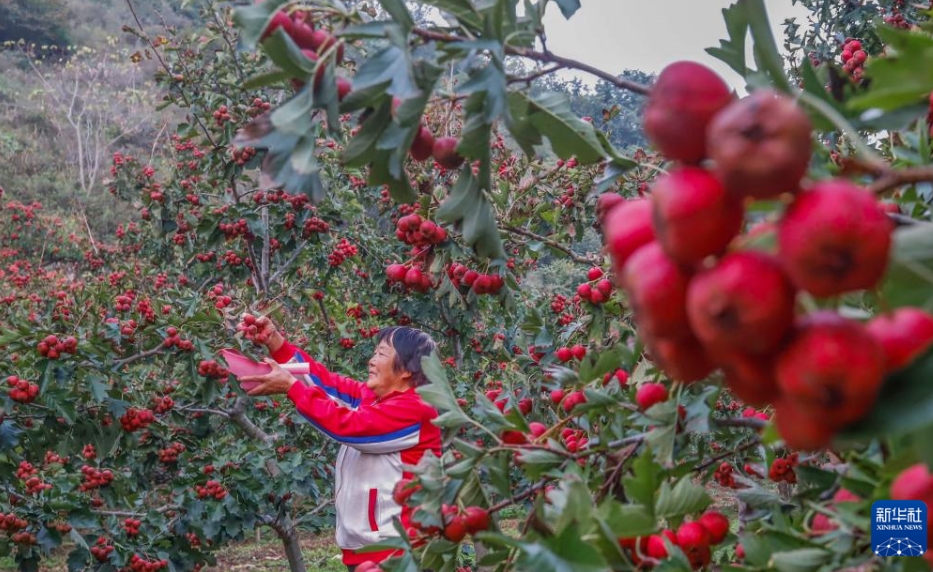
343	168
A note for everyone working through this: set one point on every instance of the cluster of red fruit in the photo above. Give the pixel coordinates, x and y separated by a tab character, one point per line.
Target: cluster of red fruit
12	523
411	276
173	339
221	115
135	419
596	293
412	229
93	478
255	329
725	476
479	283
101	550
52	347
442	149
699	305
232	230
89	452
170	454
34	485
347	343
694	538
314	225
241	156
565	354
53	458
210	368
140	564
853	58
21	390
27	538
162	404
457	523
782	469
313	43
211	489
343	250
649	394
131	526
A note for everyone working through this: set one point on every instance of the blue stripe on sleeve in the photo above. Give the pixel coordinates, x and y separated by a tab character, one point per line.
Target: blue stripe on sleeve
368	439
353	402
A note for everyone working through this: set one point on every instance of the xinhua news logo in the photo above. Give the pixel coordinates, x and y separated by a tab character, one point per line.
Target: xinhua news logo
899	528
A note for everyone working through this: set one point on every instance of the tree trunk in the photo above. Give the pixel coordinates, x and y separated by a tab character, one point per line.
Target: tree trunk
289	536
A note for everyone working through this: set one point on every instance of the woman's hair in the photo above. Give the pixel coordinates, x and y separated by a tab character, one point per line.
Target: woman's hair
410	346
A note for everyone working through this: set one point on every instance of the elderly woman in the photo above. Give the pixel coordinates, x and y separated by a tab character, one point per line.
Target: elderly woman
381	424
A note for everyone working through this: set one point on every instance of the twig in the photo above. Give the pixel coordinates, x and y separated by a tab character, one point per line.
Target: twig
546	57
535	75
522	495
141	355
753	443
552	243
891	178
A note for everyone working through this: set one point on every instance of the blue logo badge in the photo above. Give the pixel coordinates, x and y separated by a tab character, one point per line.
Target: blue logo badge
899	528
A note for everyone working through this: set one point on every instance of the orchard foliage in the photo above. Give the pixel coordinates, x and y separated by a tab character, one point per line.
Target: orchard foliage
342	168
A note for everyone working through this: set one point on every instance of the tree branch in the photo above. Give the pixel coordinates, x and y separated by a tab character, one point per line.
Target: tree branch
139	356
547	57
552	243
891	178
712	461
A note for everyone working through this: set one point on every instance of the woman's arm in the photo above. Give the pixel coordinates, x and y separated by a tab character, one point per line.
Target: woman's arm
347	390
391	426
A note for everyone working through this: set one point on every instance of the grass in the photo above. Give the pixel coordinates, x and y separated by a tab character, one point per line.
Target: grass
263	555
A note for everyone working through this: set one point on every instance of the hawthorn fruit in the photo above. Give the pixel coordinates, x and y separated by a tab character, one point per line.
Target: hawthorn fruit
682	103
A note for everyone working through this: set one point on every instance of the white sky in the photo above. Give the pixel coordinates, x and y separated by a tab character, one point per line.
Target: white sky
614	35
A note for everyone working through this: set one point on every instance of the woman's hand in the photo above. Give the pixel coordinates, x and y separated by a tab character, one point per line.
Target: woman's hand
275	382
261	331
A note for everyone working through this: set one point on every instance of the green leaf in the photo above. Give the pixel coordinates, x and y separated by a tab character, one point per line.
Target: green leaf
285	53
801	560
370	30
759	547
467	204
687	497
569	135
519	123
628	520
766	49
909	279
568	7
440	394
388	66
294	116
903	77
566	552
536	462
644	480
399	13
462	10
265	79
732	51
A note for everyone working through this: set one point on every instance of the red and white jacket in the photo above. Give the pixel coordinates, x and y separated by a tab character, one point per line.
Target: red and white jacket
378	437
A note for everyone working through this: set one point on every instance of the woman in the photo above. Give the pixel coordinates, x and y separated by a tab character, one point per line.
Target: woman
382	425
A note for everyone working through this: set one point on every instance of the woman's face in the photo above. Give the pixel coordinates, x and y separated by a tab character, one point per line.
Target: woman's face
383	379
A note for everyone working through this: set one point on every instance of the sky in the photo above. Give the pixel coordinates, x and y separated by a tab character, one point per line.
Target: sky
614	35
